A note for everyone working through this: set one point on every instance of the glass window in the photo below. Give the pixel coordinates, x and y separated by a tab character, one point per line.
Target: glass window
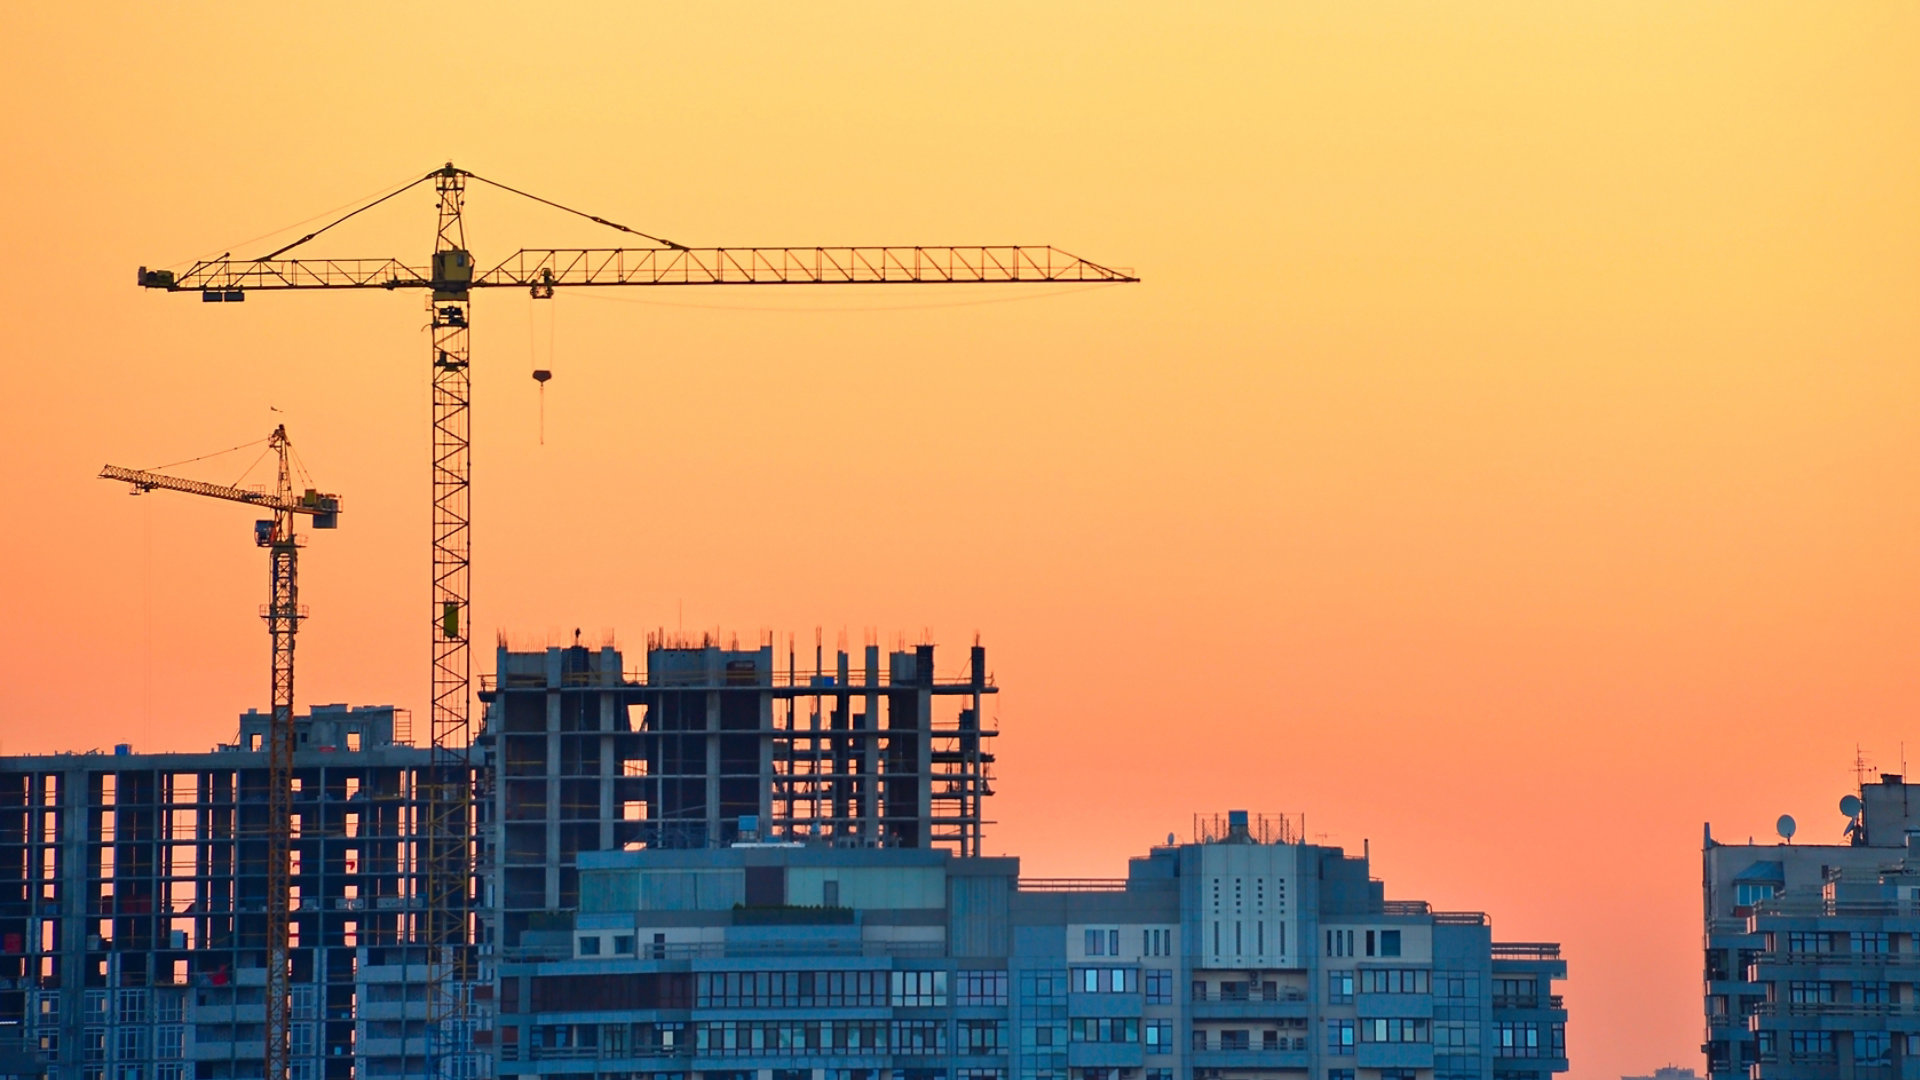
1389	943
1340	1037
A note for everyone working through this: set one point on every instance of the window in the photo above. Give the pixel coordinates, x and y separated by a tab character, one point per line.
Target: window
1382	1030
1339	987
590	945
1159	986
919	1036
1807	941
1516	1041
623	944
1810	1044
981	988
1235	1039
1389	943
1159	1036
1872	942
1104	1029
1746	894
1516	993
982	1036
1810	993
1092	980
1872	1048
1394	981
1340	1037
919	988
1105	942
1339	1074
1872	993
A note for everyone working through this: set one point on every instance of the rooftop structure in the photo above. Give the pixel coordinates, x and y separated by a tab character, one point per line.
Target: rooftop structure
1813	950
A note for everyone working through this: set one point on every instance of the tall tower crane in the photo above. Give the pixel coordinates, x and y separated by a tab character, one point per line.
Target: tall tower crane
282	613
449	277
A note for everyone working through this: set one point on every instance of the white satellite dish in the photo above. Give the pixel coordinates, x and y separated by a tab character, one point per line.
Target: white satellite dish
1785	827
1850	805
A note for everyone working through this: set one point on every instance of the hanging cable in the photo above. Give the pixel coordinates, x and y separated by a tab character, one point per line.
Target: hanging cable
579	213
289	227
250	468
348	214
204	457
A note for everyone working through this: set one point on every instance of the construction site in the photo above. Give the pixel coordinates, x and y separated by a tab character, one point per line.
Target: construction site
324	896
134	925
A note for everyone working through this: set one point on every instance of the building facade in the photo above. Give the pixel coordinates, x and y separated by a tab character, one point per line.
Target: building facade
1230	958
717	867
133	913
1813	950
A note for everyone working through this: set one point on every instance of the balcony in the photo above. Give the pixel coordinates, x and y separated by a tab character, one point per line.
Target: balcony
1251	994
1535	1001
1526	950
1838	1009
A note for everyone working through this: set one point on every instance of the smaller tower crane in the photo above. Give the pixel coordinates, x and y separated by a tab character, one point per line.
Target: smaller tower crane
282	613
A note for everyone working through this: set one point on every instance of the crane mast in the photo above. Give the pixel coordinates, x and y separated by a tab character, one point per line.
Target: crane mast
446	927
450	795
282	615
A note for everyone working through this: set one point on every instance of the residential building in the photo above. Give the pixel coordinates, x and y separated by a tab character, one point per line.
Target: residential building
1244	955
1813	950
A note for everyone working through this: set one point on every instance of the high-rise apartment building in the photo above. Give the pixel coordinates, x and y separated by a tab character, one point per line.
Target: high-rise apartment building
1813	950
1245	955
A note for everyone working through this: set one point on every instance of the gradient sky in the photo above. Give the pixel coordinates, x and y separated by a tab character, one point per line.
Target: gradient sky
1510	459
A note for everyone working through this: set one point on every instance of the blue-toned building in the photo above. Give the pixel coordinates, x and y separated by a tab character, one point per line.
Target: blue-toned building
1245	955
1813	950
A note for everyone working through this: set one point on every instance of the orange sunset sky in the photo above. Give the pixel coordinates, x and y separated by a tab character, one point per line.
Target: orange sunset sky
1511	458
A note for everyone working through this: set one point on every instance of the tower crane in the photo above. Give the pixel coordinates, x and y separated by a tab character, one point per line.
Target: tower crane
449	277
282	613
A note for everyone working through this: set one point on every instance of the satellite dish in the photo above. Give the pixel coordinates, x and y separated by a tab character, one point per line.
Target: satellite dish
1850	805
1785	827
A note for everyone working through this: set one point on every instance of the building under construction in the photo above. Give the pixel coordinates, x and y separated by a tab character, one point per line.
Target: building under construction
723	864
133	886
